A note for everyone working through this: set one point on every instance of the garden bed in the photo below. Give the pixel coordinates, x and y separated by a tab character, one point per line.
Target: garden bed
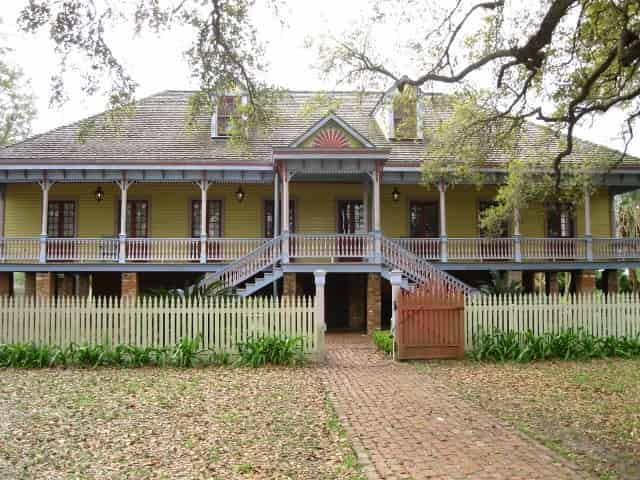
169	423
587	411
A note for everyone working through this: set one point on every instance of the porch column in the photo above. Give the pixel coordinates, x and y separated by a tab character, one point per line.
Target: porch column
124	185
276	218
204	187
45	185
587	223
320	277
396	282
365	205
285	216
377	231
517	248
444	254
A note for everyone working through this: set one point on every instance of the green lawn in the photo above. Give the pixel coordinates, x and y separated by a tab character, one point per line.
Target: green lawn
586	411
222	423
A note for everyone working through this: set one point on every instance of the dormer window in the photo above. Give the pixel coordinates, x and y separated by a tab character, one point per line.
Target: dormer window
405	115
226	110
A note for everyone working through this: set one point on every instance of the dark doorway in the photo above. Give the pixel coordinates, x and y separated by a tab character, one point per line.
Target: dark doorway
345	302
424	219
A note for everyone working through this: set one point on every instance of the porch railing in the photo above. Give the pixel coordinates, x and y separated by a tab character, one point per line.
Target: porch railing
163	249
19	250
481	248
316	246
554	248
331	246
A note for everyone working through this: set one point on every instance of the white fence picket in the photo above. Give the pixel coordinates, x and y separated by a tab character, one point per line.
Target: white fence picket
157	322
616	314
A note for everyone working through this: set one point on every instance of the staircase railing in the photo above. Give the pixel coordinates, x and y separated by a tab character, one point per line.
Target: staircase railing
418	269
247	266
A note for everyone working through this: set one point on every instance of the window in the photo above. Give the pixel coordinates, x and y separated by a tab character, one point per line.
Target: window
214	218
424	219
405	115
226	110
269	218
137	218
504	227
561	221
351	216
61	219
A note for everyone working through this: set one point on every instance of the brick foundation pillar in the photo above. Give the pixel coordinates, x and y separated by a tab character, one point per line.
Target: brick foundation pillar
610	281
68	287
289	284
357	319
551	283
84	284
374	302
6	284
129	285
586	281
29	284
45	284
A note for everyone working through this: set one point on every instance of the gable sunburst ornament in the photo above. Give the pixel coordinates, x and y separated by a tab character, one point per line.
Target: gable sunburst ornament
331	138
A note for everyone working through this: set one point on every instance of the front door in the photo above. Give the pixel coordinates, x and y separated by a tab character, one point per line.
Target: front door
137	218
61	223
351	221
424	219
137	221
424	222
350	216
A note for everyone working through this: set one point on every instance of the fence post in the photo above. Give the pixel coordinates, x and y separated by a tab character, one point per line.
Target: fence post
320	277
396	282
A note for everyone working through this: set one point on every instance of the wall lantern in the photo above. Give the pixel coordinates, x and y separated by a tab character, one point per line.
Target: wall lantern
240	194
395	194
99	194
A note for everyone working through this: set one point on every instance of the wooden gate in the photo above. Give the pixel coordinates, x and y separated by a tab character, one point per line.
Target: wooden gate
430	323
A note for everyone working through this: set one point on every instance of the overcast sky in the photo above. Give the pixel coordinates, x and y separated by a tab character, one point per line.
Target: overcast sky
157	64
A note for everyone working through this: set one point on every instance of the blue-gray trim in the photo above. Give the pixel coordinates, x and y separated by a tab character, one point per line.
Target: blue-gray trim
111	267
344	267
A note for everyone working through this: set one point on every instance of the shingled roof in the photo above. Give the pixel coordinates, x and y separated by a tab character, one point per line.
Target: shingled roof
156	134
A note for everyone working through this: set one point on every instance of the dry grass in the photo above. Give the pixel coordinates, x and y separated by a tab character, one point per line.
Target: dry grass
220	423
586	411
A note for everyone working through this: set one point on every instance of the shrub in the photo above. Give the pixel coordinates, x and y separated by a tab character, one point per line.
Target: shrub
570	344
383	340
259	351
185	354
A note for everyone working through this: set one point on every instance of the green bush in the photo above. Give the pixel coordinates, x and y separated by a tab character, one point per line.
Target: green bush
570	344
383	340
259	351
185	354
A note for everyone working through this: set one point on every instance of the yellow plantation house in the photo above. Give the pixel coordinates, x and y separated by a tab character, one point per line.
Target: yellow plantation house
154	205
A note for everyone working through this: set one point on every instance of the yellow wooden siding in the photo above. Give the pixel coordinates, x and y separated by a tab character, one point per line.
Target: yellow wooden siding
316	208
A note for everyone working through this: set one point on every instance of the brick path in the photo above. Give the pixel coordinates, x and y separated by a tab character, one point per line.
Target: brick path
405	425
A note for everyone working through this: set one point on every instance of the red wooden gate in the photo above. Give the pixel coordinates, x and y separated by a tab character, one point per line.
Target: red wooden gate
430	323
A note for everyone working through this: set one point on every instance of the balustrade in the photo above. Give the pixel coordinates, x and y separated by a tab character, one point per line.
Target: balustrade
316	246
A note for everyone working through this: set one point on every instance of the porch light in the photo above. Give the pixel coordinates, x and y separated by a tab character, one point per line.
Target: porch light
99	194
395	194
240	194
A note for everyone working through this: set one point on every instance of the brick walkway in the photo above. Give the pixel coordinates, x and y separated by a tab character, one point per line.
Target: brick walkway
405	425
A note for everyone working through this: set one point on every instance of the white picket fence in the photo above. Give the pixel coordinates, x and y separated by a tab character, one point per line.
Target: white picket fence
159	322
601	315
